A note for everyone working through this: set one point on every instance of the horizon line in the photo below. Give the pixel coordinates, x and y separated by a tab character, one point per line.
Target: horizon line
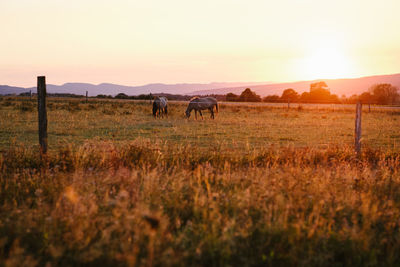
190	83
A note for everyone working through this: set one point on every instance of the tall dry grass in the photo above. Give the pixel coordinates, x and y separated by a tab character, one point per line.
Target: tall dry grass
145	203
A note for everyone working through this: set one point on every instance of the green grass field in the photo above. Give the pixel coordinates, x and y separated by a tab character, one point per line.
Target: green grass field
257	186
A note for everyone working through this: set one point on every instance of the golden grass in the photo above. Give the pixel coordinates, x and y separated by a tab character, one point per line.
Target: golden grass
176	192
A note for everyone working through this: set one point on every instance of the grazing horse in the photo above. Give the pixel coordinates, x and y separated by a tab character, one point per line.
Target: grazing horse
160	106
202	103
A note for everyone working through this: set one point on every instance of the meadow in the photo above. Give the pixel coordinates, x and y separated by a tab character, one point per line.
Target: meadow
257	186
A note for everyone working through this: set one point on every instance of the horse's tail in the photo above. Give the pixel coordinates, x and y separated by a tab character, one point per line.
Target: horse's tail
216	107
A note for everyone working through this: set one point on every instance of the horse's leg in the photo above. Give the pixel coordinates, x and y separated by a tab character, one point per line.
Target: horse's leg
212	113
166	111
201	114
195	113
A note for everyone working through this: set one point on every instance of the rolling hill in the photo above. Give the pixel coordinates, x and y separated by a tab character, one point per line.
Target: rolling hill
338	86
347	87
113	89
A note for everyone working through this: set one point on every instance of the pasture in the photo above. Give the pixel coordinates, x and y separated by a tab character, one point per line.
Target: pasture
237	127
259	185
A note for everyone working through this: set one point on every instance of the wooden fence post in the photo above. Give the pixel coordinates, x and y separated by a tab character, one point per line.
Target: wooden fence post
86	96
288	103
30	94
41	94
357	130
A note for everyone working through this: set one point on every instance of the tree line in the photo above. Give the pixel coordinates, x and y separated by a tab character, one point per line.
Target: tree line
384	94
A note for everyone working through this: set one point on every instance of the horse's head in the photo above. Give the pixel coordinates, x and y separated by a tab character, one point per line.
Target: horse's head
188	111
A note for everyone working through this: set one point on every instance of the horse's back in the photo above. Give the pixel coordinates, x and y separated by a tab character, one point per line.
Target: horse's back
208	101
211	99
163	101
203	102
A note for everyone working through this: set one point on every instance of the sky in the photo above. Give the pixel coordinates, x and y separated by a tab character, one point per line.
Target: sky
184	41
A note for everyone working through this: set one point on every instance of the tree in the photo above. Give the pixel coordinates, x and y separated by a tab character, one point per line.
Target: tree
365	98
352	99
319	93
305	97
142	96
121	96
318	86
249	96
334	99
104	96
232	97
271	99
384	93
289	95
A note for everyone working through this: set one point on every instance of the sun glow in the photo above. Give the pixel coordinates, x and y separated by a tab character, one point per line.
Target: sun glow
327	61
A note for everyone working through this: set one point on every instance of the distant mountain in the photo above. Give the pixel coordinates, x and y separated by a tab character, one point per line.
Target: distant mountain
347	87
113	89
9	90
338	86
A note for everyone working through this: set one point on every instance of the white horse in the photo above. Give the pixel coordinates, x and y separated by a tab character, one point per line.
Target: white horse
160	106
202	103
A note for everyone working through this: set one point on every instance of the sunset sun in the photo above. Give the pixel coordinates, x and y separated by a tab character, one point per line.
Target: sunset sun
327	61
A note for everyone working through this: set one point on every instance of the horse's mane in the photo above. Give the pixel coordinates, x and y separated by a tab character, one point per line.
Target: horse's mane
193	98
